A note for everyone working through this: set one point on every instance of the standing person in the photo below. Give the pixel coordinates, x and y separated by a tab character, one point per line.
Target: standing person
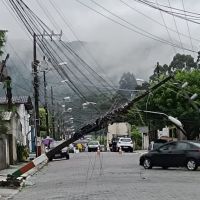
80	147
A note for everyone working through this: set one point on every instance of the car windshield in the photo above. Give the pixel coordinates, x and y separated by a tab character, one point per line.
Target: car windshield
196	144
93	143
126	140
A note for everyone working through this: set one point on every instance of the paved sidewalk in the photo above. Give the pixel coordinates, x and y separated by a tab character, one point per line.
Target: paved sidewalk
7	193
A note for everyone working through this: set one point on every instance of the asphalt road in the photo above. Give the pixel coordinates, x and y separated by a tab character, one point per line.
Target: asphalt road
110	176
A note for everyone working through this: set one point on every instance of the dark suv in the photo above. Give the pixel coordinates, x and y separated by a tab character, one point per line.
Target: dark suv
63	153
60	154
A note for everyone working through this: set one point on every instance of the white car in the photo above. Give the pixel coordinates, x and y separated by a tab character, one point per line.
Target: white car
93	146
125	143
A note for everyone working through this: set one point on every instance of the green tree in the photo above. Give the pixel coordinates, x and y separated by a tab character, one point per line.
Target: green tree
136	137
181	61
42	119
126	83
173	100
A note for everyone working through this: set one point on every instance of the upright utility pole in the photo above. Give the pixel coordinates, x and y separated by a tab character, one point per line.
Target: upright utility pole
53	117
36	95
45	104
7	82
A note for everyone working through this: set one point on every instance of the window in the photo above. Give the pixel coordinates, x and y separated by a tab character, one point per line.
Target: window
183	146
168	147
93	143
126	140
195	145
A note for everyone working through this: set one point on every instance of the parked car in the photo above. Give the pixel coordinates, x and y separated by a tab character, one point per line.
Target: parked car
125	144
173	154
61	154
93	146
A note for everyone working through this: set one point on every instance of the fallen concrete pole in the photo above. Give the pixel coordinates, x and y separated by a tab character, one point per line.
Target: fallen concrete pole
99	124
105	120
15	179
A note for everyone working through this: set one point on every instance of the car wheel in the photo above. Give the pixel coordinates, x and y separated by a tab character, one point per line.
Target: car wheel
89	150
131	150
50	159
67	157
191	165
164	167
147	163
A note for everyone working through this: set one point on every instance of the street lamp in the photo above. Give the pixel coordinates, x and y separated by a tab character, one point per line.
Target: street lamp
87	104
64	81
62	63
175	121
67	99
190	99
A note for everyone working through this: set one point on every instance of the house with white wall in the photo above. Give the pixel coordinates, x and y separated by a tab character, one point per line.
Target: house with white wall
10	139
18	119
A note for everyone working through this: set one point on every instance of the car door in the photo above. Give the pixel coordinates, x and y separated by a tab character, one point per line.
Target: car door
165	155
180	153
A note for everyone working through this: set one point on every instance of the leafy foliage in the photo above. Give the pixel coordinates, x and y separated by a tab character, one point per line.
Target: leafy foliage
181	62
42	119
137	137
126	83
172	99
22	153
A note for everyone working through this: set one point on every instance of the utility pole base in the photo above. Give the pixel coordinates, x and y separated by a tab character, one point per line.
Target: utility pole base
38	151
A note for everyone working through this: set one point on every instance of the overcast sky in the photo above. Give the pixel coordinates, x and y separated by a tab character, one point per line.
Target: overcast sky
118	43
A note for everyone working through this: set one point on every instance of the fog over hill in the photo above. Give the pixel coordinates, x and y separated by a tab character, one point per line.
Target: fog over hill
110	60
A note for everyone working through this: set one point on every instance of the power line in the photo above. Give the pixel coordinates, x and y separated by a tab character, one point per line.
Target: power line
167	29
176	27
133	30
178	9
176	14
77	38
154	20
76	55
187	25
63	53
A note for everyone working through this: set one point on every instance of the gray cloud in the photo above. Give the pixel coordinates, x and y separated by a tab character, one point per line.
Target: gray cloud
118	49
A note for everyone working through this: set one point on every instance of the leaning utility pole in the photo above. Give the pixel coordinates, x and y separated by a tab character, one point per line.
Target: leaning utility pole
45	103
36	95
53	117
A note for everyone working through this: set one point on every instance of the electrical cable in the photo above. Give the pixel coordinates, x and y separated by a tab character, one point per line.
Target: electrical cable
133	30
82	61
68	58
170	38
187	26
77	38
154	20
179	37
176	14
